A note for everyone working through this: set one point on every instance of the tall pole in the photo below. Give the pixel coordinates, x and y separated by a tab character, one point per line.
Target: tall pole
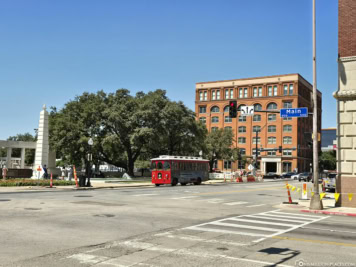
315	202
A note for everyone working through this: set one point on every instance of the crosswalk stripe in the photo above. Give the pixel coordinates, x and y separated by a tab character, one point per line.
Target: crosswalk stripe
188	197
235	203
299	215
288	217
260	222
245	226
143	195
215	200
252	206
273	218
197	228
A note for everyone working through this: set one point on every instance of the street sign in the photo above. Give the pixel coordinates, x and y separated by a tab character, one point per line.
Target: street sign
247	110
293	112
250	167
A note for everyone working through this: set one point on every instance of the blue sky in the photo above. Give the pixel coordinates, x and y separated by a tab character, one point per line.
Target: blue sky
51	51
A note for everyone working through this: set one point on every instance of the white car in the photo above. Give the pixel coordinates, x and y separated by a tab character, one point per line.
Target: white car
295	176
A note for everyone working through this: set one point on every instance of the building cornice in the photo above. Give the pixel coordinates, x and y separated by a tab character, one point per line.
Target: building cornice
346	59
345	94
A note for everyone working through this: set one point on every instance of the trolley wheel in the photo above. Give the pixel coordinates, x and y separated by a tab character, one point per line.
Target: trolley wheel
158	184
174	182
183	183
198	182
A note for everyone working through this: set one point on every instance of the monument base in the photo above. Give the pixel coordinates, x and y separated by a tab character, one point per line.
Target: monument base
346	185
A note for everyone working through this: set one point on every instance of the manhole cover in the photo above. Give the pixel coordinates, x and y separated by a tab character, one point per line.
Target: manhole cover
83	196
104	215
5	199
32	209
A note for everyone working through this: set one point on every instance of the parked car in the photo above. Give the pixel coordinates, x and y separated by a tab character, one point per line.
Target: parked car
295	176
271	175
330	181
287	174
305	176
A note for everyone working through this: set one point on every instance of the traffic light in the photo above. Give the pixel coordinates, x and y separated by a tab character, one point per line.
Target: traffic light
280	149
233	109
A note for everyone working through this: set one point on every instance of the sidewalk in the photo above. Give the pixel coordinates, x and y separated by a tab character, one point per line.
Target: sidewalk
328	204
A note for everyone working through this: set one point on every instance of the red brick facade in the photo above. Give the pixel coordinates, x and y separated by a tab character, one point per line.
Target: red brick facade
347	28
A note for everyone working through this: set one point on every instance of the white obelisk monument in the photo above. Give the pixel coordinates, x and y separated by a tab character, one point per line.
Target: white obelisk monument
42	146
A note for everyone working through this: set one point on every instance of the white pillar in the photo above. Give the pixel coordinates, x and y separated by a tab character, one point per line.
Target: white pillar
8	157
23	158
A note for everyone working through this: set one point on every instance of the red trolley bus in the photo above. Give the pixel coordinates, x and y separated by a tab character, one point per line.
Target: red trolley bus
179	169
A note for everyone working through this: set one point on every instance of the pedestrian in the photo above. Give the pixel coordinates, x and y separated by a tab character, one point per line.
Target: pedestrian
70	173
63	171
4	172
45	175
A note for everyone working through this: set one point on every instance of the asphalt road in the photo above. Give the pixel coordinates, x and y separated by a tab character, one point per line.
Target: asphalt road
207	225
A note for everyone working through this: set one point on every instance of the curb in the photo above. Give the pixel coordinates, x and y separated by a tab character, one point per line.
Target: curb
330	212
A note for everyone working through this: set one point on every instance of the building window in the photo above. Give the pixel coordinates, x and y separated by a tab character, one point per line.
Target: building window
254	140
256	117
259	91
287	152
287	166
240	93
242	151
201	96
226	109
215	119
205	96
254	152
202	119
242	129
245	92
228	119
291	89
231	93
287	104
287	140
287	128
269	90
202	109
213	129
227	94
285	91
272	106
215	109
241	140
272	128
242	118
271	153
287	119
257	107
272	140
228	128
255	93
227	164
272	117
275	91
256	129
217	94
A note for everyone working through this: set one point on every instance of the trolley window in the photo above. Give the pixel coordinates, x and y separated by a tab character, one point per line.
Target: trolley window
159	166
153	165
166	166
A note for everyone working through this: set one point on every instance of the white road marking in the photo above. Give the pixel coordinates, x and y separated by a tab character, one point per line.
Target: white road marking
252	206
197	228
215	200
87	258
245	226
272	218
299	215
287	217
235	203
260	222
143	195
188	197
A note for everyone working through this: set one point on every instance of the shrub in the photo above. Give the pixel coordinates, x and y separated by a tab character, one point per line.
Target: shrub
34	182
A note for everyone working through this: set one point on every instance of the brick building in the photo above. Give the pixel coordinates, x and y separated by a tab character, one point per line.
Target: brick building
346	104
264	93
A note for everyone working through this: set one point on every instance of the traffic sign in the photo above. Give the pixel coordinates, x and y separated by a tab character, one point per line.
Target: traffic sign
293	112
247	110
250	167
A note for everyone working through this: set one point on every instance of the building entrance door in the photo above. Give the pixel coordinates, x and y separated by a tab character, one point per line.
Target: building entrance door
271	167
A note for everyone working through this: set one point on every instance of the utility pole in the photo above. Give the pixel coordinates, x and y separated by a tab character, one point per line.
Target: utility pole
315	202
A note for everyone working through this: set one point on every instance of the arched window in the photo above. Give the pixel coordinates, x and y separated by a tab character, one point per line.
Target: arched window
215	109
256	117
239	107
287	140
228	128
287	128
256	129
258	107
272	128
272	140
226	109
215	119
242	129
271	106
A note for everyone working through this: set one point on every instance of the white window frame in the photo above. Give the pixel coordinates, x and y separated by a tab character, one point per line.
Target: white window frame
241	140
271	140
270	127
287	140
242	129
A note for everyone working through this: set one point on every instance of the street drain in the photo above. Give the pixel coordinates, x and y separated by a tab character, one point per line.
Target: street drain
224	249
104	215
32	209
83	196
5	199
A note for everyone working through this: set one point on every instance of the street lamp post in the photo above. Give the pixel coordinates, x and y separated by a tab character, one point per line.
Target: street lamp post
90	158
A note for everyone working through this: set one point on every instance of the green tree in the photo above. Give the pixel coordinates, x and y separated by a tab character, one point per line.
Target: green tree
218	145
327	160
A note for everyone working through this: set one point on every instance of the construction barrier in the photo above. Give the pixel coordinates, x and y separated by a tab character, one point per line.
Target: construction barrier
51	181
75	176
